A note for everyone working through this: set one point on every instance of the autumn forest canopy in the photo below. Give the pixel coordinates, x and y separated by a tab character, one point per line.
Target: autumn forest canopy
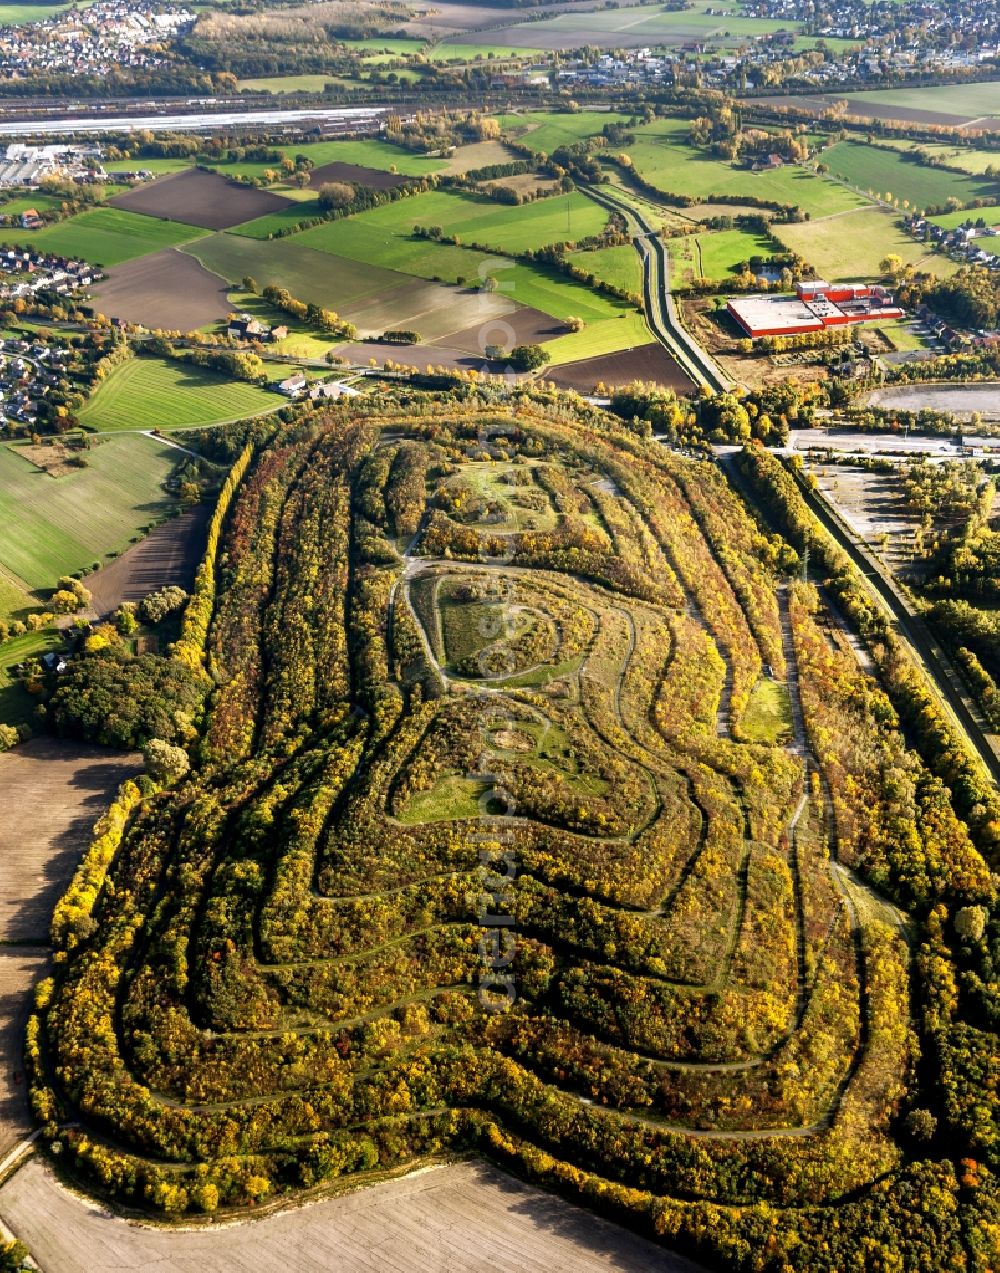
538	808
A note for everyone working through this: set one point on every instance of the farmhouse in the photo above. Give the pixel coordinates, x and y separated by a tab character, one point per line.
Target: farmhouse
815	306
293	385
246	327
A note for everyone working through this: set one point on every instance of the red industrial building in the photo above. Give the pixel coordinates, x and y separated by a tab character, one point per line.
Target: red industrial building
814	307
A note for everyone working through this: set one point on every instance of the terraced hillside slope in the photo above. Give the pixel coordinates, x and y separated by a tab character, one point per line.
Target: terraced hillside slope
525	820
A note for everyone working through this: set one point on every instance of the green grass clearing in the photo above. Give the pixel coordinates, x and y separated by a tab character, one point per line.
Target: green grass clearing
17	706
768	715
452	797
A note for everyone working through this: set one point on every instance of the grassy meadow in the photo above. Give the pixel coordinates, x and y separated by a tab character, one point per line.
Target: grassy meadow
105	236
57	525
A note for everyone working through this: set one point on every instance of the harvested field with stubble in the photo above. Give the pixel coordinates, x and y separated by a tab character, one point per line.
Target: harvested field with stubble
52	791
20	968
170	289
168	555
646	362
454	1218
205	199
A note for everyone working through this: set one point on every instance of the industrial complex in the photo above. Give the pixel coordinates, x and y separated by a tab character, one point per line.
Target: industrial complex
815	306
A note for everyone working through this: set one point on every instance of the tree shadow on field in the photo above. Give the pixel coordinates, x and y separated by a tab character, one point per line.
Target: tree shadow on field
26	919
618	1248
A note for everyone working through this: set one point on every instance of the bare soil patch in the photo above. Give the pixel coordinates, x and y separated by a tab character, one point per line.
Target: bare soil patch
645	362
959	399
705	211
524	183
421	356
168	555
522	326
373	177
52	791
479	154
169	290
460	1217
205	199
20	968
54	459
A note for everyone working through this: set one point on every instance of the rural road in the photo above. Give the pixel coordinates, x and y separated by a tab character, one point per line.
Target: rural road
661	312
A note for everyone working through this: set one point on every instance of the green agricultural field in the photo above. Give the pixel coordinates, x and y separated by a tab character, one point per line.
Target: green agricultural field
618	266
386	234
158	166
106	236
275	222
156	393
14	596
21	203
851	247
545	132
369	152
661	155
308	274
968	158
16	15
889	174
457	52
624	330
377	44
970	100
713	22
714	254
287	83
991	216
56	525
722	250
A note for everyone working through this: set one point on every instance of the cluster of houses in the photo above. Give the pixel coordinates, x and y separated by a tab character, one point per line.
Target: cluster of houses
246	327
951	338
29	272
28	371
973	242
949	40
90	41
911	37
